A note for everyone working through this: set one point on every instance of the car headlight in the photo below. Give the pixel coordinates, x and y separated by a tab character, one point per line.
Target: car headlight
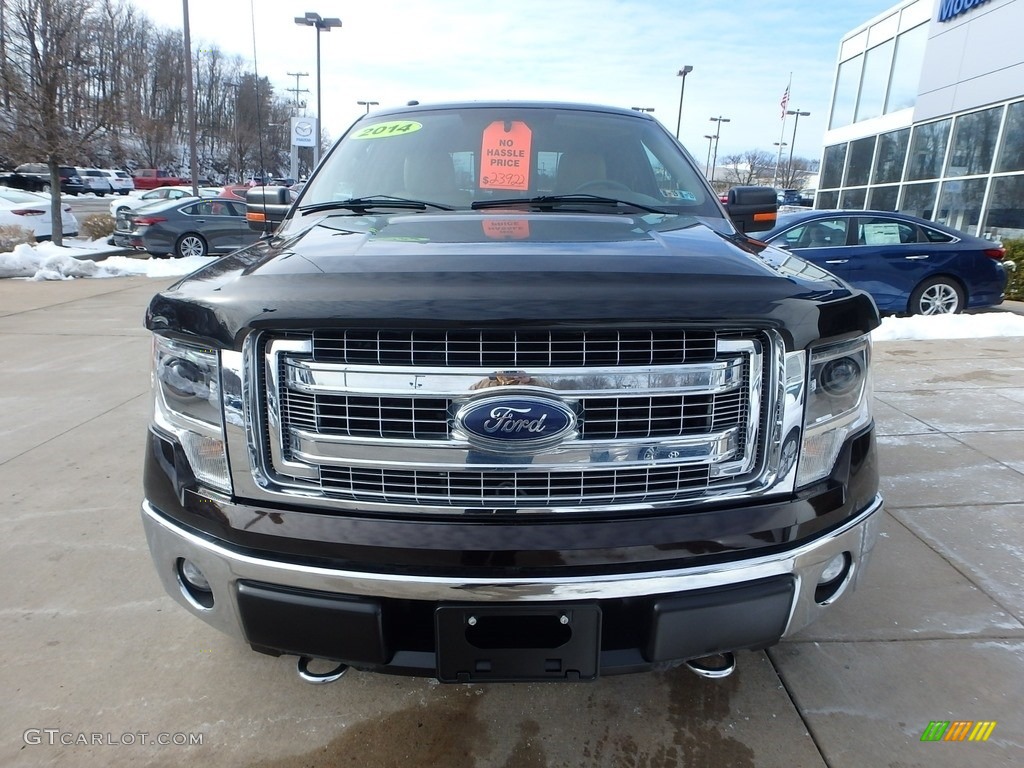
838	404
187	405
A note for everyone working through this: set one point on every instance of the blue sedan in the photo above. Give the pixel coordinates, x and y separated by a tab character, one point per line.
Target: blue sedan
908	265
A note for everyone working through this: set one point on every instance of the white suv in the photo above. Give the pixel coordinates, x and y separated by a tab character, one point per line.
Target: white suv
95	181
121	182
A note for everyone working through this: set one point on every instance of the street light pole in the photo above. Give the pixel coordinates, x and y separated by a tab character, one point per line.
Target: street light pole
707	165
368	104
718	132
682	88
796	121
778	161
320	24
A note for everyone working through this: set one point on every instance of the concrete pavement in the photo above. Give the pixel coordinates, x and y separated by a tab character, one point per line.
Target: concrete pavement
95	654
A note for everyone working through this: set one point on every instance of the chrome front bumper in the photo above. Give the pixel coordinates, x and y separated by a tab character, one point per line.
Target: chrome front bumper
225	568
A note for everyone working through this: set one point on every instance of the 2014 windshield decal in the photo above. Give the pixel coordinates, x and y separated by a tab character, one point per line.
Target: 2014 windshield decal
386	130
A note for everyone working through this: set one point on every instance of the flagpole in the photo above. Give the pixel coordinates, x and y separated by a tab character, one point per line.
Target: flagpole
782	133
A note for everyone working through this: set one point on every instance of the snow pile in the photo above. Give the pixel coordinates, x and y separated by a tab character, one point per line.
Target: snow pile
949	326
46	261
158	267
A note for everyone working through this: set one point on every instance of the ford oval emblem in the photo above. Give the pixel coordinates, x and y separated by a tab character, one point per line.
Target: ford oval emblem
515	424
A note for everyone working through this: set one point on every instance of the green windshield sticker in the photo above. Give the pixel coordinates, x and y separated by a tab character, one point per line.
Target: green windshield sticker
384	130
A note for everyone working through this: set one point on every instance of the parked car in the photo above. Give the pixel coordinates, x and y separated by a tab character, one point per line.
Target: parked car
239	192
188	227
796	197
234	191
140	198
95	181
152	178
35	177
908	265
121	182
32	211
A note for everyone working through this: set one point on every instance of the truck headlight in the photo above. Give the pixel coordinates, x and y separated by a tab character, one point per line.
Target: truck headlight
187	405
838	404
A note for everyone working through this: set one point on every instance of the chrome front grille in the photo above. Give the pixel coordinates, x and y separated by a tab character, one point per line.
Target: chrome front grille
336	424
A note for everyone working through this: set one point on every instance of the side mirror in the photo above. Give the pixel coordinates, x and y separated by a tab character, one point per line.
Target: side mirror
752	209
266	207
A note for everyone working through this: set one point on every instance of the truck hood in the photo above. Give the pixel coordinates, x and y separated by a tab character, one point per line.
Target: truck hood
477	270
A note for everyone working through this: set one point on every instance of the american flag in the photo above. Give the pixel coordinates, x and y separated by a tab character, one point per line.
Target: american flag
784	103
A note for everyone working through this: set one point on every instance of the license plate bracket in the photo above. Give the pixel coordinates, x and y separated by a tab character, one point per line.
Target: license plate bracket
513	643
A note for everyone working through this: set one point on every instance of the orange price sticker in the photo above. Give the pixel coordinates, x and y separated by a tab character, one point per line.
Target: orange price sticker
505	155
506	229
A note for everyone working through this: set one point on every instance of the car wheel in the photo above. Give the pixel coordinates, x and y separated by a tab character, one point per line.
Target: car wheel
190	244
937	296
46	189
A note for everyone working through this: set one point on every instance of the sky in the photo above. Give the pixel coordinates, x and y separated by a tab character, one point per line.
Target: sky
618	52
86	259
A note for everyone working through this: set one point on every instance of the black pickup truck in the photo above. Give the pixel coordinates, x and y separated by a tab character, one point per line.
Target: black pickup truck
508	395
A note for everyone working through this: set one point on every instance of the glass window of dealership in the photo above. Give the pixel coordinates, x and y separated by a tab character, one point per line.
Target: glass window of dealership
925	120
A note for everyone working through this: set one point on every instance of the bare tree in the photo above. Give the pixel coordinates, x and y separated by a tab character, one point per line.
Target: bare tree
54	112
795	176
748	168
92	82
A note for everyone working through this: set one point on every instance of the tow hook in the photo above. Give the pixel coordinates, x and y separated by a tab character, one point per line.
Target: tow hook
319	678
714	667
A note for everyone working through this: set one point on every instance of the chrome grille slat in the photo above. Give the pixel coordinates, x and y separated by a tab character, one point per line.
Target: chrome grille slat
514	348
507	489
415	418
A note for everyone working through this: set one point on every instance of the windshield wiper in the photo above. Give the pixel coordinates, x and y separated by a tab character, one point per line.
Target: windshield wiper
559	200
362	204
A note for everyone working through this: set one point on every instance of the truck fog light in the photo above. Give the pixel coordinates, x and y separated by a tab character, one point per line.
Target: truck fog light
194	584
832	569
834	579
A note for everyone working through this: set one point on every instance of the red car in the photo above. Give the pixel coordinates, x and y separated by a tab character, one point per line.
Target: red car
234	191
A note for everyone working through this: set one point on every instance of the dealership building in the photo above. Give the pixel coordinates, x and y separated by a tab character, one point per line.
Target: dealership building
927	116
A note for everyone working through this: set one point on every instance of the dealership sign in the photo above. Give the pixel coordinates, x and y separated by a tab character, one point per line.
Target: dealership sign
304	131
949	9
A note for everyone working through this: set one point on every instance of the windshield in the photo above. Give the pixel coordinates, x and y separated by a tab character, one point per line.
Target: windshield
465	157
